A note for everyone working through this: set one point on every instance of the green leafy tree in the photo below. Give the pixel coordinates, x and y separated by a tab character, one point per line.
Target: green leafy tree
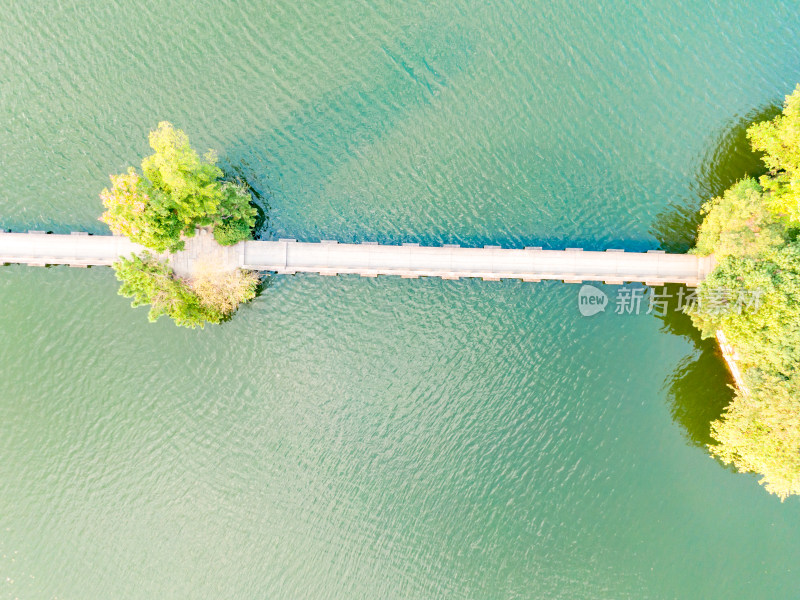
147	280
752	231
756	302
137	210
177	193
210	296
235	216
760	432
779	140
191	184
739	223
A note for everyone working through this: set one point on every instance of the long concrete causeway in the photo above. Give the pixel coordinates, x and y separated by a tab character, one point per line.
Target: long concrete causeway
367	259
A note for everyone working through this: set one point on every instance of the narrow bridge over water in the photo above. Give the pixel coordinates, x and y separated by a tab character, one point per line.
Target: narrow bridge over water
370	259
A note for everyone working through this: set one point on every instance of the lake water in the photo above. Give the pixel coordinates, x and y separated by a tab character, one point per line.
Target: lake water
382	438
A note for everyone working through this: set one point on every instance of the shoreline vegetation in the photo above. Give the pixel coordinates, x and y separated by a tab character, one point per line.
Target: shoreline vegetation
752	229
177	195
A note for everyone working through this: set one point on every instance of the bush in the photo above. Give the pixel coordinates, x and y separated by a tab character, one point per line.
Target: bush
236	217
149	281
229	233
223	292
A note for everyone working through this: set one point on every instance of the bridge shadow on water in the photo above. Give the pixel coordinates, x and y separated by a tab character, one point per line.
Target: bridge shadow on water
699	388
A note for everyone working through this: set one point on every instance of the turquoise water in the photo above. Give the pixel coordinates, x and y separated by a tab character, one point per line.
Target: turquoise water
355	438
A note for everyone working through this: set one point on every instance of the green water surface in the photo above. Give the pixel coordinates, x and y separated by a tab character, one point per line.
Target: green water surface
351	438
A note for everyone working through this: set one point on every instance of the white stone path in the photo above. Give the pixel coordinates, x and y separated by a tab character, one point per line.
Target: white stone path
369	259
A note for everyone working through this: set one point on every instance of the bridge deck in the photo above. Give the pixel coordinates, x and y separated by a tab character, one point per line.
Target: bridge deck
530	264
370	259
37	248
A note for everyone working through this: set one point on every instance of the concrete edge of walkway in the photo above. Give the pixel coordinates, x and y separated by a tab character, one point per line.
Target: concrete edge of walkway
288	256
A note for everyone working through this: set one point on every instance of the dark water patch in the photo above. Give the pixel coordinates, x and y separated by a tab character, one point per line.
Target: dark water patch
265	282
730	156
242	174
728	159
699	388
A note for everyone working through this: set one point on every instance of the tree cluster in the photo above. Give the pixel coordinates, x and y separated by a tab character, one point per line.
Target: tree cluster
752	230
176	193
210	298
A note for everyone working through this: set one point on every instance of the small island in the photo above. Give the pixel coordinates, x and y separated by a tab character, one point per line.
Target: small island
180	207
752	230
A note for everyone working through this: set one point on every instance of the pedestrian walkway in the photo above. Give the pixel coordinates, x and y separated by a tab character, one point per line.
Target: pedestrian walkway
493	263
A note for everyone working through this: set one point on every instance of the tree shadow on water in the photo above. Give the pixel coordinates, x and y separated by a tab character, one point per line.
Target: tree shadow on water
242	174
728	159
700	387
